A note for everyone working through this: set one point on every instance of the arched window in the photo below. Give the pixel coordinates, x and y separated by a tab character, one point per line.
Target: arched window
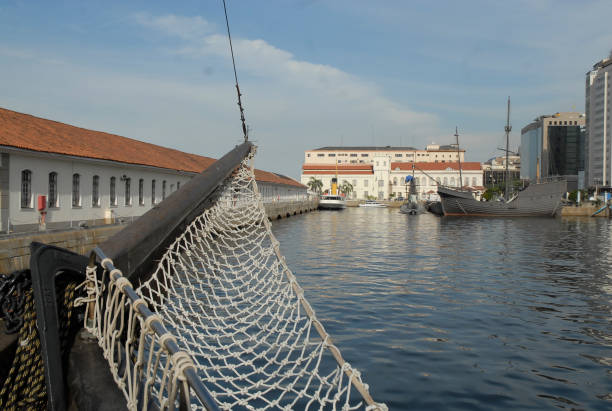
141	191
445	181
52	200
452	181
26	189
113	192
466	181
95	191
152	191
128	191
76	190
178	185
163	190
438	180
474	181
394	181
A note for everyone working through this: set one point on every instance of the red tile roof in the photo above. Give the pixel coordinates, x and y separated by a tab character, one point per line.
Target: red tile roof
468	165
339	167
37	134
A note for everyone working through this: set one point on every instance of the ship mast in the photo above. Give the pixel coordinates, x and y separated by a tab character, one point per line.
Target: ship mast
459	159
508	128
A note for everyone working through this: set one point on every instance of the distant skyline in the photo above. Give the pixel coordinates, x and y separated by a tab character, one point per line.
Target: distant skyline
313	73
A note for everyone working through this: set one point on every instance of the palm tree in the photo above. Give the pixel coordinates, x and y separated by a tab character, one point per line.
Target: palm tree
315	185
346	188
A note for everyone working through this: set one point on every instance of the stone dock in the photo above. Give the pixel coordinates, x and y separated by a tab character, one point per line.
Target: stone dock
15	248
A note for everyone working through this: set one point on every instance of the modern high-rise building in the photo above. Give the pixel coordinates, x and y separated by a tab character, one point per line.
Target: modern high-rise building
553	145
598	167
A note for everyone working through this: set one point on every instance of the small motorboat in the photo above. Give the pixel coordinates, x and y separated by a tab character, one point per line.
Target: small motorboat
372	203
331	202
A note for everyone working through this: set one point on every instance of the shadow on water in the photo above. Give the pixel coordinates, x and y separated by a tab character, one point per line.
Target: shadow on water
462	313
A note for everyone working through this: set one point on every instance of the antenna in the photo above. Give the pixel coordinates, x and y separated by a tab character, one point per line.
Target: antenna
459	159
229	36
508	128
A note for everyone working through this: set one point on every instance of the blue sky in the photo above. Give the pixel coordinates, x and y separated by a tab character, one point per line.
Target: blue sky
313	73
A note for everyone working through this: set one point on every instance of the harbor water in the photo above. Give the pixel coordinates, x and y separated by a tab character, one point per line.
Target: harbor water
462	313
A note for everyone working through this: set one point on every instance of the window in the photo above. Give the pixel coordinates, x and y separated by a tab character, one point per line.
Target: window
331	155
52	200
381	183
178	185
452	181
128	191
354	183
320	155
364	155
76	190
353	155
398	155
152	191
163	190
95	191
394	181
113	193
26	189
365	183
445	181
466	181
474	181
141	191
308	155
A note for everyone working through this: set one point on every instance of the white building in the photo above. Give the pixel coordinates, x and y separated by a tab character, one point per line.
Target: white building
385	179
434	153
598	164
66	176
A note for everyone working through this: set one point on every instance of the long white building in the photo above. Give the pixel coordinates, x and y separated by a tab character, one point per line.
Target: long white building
434	153
385	179
598	164
65	176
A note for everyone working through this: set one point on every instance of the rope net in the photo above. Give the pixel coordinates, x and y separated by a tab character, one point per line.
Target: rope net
227	299
225	291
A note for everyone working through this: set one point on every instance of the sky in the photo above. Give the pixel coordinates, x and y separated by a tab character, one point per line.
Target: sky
313	73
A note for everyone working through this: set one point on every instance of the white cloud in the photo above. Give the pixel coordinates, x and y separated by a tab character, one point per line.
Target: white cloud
290	78
183	27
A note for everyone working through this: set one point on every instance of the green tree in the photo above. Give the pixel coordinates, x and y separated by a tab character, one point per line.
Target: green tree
492	193
315	185
346	188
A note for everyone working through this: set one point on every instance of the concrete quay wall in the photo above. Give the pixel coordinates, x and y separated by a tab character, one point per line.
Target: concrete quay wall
582	211
283	209
15	249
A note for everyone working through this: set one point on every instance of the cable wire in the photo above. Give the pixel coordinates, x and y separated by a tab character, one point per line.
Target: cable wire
229	36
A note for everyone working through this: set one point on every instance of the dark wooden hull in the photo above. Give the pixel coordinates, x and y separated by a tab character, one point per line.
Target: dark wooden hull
537	200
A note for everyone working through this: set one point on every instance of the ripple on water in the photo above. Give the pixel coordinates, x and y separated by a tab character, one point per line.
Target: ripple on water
462	313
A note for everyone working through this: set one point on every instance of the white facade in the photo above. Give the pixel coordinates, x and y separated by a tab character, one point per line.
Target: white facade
598	164
385	179
63	213
129	201
367	155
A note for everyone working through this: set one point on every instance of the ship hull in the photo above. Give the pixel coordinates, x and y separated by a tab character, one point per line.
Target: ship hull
537	200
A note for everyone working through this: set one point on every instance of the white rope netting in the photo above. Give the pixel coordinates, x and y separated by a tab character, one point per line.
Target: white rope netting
226	293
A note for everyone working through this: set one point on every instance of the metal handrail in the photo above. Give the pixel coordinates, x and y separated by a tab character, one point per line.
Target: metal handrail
193	381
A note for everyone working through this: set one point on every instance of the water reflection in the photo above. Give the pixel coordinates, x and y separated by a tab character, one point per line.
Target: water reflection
462	313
